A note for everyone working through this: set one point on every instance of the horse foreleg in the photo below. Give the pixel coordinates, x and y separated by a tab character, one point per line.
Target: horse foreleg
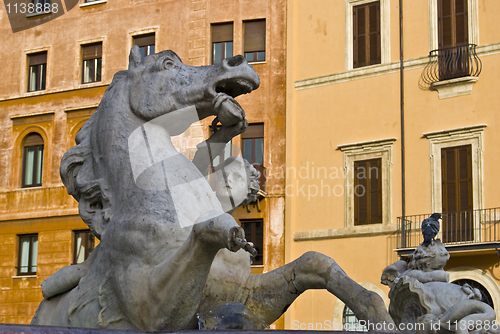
173	289
270	294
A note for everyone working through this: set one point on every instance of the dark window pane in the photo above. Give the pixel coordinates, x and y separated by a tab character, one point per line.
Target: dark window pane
229	49
261	56
247	149
217	56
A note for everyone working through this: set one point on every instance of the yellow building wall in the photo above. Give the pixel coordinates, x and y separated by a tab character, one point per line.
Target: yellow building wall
329	105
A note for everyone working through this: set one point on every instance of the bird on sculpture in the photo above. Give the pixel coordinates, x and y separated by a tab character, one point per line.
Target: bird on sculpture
430	228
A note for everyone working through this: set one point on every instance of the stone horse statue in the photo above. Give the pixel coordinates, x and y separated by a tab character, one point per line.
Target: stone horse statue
151	270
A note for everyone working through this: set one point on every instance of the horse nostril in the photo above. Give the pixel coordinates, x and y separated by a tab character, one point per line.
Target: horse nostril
235	61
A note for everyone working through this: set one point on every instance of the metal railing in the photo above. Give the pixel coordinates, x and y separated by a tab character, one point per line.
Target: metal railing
464	227
450	63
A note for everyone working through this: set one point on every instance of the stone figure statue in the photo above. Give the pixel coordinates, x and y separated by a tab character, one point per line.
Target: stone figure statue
170	257
422	298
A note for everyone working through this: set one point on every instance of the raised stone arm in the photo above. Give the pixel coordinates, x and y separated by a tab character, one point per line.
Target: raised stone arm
214	146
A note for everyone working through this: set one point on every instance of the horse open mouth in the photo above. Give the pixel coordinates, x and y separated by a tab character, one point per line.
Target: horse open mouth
227	109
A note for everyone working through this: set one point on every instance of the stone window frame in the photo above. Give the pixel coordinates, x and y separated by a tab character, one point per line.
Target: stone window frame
470	135
374	149
472	22
385	43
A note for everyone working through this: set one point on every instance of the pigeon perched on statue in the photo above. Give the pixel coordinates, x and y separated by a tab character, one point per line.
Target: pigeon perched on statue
430	228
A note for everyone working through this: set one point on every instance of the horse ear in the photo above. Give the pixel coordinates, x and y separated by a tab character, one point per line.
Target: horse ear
134	58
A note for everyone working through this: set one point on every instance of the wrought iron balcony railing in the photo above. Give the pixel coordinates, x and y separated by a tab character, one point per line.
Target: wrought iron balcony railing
450	63
457	228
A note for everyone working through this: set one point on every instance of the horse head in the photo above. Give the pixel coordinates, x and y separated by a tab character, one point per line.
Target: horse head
97	172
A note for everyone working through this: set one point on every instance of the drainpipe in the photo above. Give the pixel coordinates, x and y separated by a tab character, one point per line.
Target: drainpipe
402	115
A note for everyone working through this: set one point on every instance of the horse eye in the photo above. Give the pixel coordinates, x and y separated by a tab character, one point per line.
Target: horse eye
167	63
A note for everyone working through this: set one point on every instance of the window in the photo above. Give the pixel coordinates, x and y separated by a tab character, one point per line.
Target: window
252	149
37	71
453	55
42	3
366	153
84	245
457	179
254	232
28	249
32	161
92	62
366	34
222	41
146	44
367	192
254	40
456	169
351	322
226	153
452	23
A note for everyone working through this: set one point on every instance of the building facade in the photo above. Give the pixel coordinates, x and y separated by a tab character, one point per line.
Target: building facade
54	76
346	143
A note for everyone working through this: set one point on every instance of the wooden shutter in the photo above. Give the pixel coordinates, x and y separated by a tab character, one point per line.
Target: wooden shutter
144	40
368	192
456	173
254	131
222	32
33	139
360	193
37	58
366	33
254	36
92	51
452	23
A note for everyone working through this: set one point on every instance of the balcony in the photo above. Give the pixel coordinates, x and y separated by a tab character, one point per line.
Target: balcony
451	71
460	231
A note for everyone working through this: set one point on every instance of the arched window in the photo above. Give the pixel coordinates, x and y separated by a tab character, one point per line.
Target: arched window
485	295
350	322
32	161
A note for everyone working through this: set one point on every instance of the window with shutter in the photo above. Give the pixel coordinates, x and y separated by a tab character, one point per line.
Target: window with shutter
146	44
222	41
254	232
456	168
27	256
254	40
252	149
452	23
84	244
92	62
367	192
32	161
37	71
366	34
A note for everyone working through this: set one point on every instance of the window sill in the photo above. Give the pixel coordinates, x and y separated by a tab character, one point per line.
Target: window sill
35	92
257	62
348	232
24	276
454	87
90	84
92	3
37	14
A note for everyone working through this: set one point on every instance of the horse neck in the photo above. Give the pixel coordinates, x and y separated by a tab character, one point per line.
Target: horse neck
112	131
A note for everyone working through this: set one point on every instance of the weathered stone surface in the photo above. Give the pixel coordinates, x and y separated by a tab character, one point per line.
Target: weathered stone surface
421	294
